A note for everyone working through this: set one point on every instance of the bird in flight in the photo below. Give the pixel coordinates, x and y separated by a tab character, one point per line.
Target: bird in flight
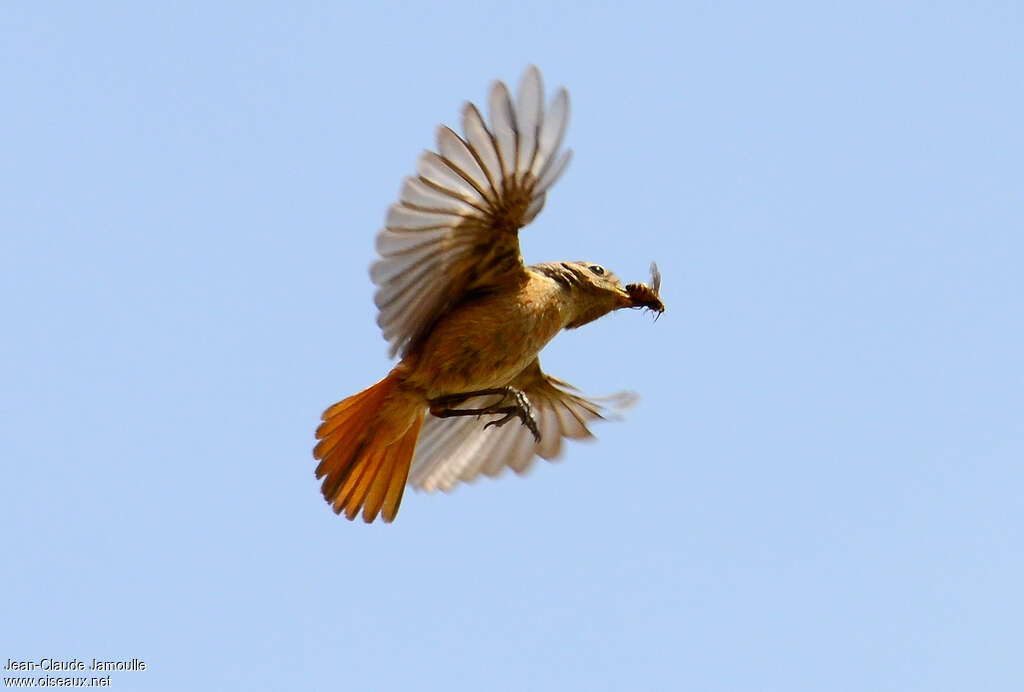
468	317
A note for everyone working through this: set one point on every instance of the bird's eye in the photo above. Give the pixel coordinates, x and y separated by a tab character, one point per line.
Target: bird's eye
597	269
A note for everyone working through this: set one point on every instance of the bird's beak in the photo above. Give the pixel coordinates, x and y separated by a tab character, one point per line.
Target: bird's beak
625	300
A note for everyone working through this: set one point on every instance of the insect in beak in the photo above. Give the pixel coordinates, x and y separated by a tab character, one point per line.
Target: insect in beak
647	296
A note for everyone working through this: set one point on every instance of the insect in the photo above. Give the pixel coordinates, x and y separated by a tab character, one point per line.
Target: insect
645	296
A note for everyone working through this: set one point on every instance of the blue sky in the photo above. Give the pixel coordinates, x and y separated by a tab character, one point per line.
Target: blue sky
819	489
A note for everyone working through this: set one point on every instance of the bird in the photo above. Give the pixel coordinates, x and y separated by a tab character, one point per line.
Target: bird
468	318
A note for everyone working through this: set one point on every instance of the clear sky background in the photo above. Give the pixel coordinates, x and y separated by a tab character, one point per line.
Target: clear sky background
820	488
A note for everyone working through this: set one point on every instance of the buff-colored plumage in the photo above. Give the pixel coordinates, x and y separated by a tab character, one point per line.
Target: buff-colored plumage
467	316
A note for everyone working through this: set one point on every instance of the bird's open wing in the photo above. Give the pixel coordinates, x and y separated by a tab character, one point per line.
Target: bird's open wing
455	228
460	449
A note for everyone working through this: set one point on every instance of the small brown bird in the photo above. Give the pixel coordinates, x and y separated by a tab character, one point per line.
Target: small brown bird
469	318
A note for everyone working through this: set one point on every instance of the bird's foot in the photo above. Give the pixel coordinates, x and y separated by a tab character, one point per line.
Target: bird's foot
521	408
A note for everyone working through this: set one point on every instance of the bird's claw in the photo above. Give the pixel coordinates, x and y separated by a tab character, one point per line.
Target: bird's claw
523	409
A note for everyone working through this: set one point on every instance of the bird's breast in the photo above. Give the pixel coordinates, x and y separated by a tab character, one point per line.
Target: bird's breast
485	342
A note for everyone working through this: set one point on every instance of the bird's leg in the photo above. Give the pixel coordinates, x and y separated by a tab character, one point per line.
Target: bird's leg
522	408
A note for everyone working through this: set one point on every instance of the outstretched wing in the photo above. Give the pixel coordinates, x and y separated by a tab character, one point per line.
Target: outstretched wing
455	228
460	449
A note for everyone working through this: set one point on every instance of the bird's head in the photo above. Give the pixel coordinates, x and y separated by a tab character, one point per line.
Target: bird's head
597	291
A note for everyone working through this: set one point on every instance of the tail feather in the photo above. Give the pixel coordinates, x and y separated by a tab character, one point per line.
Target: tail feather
352	414
354	490
376	489
385	493
366	446
403	456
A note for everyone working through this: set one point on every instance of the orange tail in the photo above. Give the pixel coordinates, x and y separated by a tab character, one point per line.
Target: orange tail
366	445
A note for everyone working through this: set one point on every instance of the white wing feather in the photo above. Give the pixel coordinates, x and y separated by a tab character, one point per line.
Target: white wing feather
451	450
454	228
